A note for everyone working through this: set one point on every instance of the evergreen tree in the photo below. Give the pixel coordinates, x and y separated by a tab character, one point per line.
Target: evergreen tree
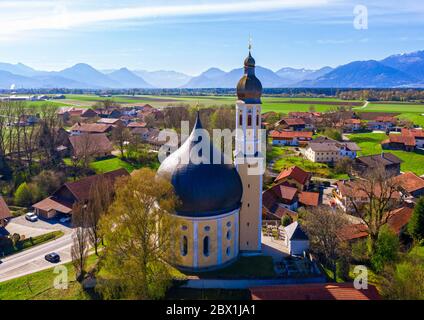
416	224
23	195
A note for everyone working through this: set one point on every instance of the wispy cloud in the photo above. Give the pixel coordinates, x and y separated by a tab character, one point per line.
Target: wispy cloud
60	16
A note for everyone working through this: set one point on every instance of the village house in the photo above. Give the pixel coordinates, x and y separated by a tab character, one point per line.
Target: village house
136	124
325	150
290	138
397	221
295	239
95	145
111	121
399	142
386	161
294	177
382	123
62	200
294	124
351	125
349	194
418	134
5	213
90	128
411	185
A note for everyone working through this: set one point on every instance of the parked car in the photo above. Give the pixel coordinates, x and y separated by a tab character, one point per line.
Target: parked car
31	216
65	219
52	257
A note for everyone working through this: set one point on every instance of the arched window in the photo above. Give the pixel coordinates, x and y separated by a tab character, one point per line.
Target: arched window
229	235
241	119
228	251
249	120
257	120
206	246
184	246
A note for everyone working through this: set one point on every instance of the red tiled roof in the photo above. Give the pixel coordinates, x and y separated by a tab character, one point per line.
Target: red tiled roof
386	119
352	121
81	188
108	120
284	192
309	198
290	134
315	291
293	121
4	209
353	231
136	125
399	218
295	173
51	203
93	143
406	140
91	127
417	133
410	182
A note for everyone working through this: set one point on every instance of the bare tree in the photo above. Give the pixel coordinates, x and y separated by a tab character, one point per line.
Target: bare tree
121	135
373	197
101	195
323	226
80	238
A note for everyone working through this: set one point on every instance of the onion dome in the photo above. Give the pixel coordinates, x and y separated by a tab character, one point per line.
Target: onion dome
205	188
249	88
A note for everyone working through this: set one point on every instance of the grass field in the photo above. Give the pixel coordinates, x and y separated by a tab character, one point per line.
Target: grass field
370	143
111	164
39	286
243	268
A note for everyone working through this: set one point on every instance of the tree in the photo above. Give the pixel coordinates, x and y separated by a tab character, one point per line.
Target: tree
386	249
322	227
47	182
333	134
286	220
140	235
101	193
373	199
121	135
405	280
416	224
80	238
23	195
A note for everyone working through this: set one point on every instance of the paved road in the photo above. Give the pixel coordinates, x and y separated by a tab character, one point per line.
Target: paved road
32	260
363	107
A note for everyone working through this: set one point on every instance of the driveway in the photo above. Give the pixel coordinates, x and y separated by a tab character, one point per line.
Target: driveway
32	229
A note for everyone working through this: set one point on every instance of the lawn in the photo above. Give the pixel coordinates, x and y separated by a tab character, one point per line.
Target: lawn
287	159
370	143
244	268
412	112
32	242
111	164
39	286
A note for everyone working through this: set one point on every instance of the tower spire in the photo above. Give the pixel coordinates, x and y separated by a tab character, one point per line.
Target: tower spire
250	44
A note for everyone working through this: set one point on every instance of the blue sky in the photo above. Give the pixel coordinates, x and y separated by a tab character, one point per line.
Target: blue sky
191	36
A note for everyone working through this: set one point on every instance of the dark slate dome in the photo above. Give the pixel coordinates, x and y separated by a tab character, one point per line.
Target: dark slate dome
249	88
204	189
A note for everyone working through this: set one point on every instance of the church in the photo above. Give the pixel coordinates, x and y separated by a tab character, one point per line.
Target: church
220	210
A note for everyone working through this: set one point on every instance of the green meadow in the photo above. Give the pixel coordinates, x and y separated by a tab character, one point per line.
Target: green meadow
370	143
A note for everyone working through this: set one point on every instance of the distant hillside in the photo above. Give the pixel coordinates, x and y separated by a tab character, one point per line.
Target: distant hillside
89	75
403	70
127	79
216	78
164	79
410	63
361	74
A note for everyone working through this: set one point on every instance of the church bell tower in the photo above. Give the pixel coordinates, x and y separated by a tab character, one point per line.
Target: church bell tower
248	149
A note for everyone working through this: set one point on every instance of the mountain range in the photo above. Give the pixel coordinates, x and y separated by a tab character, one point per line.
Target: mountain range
401	70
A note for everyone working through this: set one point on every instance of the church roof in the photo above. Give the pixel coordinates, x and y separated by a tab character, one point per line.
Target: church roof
249	88
203	187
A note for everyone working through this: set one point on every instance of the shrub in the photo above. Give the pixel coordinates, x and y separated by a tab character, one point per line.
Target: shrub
286	220
386	249
23	195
